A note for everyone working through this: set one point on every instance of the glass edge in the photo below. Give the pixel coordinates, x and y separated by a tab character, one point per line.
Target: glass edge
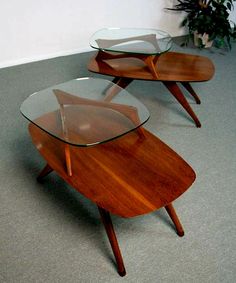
132	52
90	144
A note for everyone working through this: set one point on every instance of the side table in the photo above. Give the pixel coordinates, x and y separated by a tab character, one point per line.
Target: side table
143	54
89	132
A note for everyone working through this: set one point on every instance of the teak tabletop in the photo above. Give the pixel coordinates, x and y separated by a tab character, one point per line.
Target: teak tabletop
129	176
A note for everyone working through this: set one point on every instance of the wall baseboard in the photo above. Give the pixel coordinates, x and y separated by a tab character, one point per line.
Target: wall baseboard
43	57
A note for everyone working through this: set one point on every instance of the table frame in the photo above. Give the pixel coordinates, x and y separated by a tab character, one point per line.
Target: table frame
189	68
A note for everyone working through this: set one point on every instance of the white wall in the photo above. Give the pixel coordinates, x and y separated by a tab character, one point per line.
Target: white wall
233	13
32	30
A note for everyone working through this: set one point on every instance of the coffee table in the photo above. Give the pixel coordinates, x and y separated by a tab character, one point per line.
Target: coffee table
89	132
143	54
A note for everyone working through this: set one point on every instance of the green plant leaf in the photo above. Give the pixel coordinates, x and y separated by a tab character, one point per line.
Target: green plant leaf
208	16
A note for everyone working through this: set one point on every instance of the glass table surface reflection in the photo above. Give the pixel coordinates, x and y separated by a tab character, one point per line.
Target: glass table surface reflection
85	111
132	40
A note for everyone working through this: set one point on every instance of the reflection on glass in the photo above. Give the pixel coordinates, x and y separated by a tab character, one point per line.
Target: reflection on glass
139	41
85	111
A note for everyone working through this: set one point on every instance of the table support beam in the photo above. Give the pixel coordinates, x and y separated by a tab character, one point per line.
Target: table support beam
151	63
149	60
68	160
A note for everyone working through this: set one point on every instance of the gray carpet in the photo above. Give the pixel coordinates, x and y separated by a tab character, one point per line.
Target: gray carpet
50	233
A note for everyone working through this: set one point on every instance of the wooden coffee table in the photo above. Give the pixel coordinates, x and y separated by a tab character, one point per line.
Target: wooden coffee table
143	54
89	132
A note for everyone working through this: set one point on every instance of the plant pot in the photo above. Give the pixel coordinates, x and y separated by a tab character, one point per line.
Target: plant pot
202	40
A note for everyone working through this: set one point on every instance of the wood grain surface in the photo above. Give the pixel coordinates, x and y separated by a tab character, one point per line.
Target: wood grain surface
132	175
170	66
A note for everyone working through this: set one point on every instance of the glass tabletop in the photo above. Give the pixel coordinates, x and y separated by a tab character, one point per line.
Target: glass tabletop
85	111
138	41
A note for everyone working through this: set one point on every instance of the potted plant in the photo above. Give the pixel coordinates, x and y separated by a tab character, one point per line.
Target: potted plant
207	21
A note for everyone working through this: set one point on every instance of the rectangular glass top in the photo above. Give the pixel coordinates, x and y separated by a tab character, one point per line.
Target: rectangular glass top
137	41
85	111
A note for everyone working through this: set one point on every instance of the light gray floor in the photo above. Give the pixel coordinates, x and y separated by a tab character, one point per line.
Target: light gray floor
49	233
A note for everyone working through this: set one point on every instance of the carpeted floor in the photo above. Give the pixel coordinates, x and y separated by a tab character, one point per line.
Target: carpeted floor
50	233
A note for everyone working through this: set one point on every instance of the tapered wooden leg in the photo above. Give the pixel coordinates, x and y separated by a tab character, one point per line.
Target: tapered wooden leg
177	93
191	91
46	170
122	82
171	211
106	219
115	89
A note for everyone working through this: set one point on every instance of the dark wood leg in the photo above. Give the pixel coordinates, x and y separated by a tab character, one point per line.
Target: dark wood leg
115	80
191	91
106	219
46	170
171	211
177	93
114	90
122	82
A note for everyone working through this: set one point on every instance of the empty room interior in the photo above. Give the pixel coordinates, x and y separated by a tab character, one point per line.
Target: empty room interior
118	133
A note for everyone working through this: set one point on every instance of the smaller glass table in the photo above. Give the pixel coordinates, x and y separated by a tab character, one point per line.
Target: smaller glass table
144	44
119	49
126	40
